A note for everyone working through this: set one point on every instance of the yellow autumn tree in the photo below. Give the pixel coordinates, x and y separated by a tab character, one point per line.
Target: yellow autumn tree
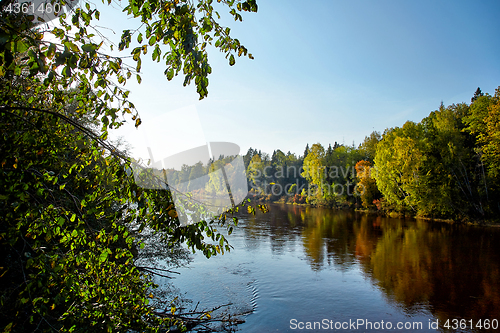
366	186
314	168
491	137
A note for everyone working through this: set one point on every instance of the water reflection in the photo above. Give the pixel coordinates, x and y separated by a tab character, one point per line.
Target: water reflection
452	271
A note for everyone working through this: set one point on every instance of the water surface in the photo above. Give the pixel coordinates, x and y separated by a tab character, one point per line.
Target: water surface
301	264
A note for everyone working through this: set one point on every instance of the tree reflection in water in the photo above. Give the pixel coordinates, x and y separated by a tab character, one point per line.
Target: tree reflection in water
451	270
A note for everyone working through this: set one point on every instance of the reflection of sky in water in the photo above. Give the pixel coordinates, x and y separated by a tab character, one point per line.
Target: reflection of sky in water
315	264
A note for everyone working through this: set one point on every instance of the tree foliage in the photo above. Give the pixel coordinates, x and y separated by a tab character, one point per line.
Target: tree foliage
314	170
174	32
446	165
399	161
483	122
369	145
72	219
366	184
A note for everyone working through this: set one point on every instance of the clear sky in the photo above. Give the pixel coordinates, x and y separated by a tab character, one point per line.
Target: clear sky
327	70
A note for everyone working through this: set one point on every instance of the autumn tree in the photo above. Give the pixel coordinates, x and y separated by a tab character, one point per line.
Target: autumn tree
491	138
369	145
72	218
450	170
255	173
399	159
366	185
439	167
314	172
483	122
340	170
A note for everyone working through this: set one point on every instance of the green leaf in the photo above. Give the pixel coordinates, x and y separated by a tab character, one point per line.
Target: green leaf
103	256
72	46
51	51
169	73
231	60
152	40
8	328
62	222
21	47
89	47
66	71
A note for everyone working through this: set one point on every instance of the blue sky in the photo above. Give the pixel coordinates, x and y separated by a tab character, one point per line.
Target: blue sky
327	71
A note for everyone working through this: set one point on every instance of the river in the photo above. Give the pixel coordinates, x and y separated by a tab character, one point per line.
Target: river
298	267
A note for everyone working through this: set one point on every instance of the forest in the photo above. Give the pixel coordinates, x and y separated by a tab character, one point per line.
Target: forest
445	166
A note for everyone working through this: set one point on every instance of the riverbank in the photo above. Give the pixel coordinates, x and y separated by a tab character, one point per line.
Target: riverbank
299	200
394	214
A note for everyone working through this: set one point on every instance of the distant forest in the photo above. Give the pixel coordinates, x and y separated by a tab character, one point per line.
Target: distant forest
445	166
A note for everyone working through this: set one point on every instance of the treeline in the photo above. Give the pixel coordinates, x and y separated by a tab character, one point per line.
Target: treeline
319	176
445	166
285	177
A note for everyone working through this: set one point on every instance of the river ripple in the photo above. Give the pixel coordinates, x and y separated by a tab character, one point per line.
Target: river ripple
315	264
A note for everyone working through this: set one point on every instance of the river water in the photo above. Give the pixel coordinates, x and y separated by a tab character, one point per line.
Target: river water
314	269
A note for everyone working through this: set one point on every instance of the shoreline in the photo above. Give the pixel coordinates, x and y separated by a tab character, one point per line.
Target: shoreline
391	214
